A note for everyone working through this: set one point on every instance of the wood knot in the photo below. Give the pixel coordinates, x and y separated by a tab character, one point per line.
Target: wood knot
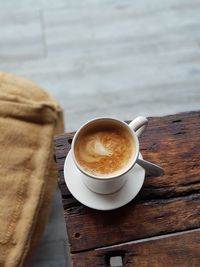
77	235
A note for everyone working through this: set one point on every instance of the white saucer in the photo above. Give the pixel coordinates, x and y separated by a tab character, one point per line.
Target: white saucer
72	175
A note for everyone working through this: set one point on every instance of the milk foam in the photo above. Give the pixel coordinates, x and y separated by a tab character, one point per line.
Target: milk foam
103	152
93	149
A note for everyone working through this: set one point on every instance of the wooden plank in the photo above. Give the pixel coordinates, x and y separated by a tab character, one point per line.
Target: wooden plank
174	142
89	229
165	204
174	251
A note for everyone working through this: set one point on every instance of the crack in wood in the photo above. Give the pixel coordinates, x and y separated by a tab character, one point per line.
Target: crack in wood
175	121
114	247
180	132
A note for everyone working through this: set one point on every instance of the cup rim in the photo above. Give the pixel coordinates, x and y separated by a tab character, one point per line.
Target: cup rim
111	177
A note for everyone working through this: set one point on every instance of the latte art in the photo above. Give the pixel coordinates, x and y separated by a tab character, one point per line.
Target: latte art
104	152
93	149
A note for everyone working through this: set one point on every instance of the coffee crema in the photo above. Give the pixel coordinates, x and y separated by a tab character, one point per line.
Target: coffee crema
104	151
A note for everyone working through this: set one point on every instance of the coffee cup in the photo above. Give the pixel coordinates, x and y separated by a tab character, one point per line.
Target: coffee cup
105	149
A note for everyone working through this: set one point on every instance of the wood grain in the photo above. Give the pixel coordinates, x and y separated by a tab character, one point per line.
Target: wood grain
174	251
134	221
165	204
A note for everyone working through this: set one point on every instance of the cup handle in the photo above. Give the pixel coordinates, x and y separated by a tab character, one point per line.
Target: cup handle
138	125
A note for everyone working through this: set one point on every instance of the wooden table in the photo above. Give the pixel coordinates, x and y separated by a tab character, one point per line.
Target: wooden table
161	226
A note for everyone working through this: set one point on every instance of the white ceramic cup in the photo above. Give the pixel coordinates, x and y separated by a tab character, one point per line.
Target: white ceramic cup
112	183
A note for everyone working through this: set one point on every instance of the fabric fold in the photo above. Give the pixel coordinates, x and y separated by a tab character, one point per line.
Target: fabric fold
29	118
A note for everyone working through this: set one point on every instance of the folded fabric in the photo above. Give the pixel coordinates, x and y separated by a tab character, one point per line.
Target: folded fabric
29	118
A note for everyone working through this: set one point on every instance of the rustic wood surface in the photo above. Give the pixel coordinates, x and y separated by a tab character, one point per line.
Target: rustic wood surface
165	205
174	251
103	57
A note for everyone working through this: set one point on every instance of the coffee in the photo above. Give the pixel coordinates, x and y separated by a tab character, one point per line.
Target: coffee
104	150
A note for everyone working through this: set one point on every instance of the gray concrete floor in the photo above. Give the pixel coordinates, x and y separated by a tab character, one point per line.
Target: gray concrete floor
117	58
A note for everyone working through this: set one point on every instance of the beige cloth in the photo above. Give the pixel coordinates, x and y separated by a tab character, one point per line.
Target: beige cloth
29	118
